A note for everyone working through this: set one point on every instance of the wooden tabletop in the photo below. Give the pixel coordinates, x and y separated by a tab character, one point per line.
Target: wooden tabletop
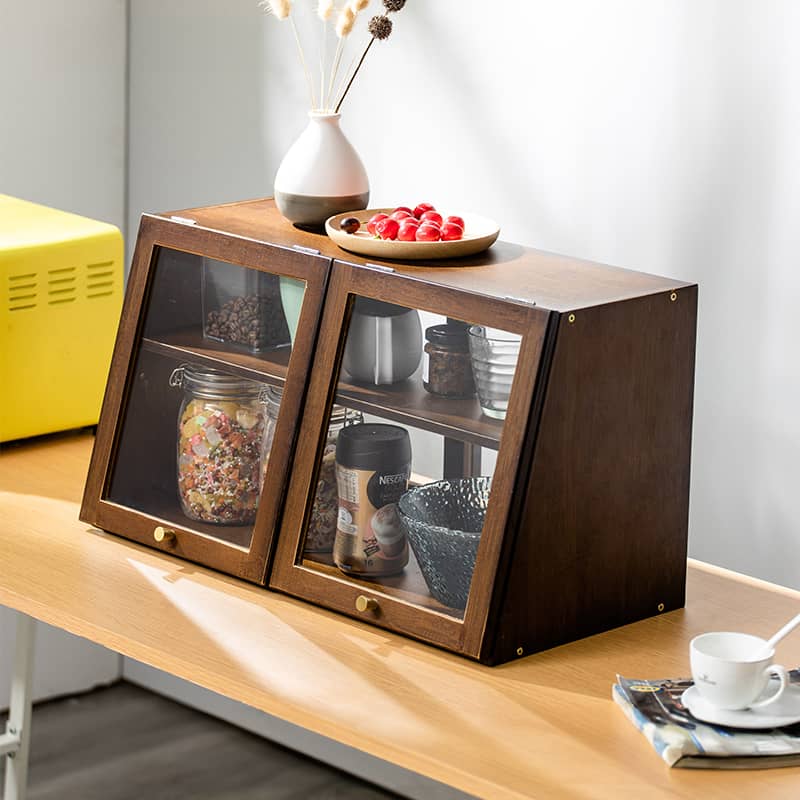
543	726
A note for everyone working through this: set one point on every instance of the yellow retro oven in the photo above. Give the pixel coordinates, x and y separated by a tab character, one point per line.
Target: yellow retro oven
61	287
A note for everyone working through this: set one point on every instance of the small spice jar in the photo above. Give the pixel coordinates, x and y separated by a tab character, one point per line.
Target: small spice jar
222	445
447	370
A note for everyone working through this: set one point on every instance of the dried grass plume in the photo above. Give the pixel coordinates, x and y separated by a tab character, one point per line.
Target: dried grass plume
278	8
345	22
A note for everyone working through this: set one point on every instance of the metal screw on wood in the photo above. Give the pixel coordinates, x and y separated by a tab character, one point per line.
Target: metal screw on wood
571	318
660	606
519	651
673	296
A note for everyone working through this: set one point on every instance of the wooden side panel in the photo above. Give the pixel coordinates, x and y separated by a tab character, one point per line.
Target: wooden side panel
602	532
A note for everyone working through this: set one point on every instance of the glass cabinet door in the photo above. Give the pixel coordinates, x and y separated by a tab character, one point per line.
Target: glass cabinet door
205	423
406	446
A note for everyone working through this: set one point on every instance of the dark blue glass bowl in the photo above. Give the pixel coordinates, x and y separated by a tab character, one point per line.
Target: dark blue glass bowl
443	522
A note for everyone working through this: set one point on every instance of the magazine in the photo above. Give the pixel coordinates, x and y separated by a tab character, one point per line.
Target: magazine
655	707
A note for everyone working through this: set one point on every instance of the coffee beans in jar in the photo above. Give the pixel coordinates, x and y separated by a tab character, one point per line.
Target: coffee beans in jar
249	320
321	531
447	370
242	306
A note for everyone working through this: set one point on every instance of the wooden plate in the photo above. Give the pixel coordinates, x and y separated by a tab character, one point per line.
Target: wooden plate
479	234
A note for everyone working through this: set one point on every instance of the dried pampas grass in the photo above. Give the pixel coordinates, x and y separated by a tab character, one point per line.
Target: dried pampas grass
325	9
278	8
345	18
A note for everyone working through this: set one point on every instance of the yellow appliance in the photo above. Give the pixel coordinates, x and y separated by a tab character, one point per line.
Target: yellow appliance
61	287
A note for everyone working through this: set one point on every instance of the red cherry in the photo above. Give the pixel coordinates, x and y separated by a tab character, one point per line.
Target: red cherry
401	214
431	216
457	220
451	232
422	208
404	208
374	220
428	233
408	230
387	228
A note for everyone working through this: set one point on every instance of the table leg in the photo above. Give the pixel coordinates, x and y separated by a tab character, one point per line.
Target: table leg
461	459
15	743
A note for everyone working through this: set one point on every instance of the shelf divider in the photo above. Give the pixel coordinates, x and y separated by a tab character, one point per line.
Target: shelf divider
268	367
407	402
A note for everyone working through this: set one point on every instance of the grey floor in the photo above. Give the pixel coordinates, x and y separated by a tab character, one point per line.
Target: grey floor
125	743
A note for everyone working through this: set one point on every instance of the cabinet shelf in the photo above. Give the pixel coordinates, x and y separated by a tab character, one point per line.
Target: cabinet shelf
408	586
407	402
269	367
234	535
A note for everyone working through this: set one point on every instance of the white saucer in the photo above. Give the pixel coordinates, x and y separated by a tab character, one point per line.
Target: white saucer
785	711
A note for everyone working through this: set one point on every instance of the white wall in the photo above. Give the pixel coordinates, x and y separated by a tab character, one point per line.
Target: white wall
62	118
662	136
62	143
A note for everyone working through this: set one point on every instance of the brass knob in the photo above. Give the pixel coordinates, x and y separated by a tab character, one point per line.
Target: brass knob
366	603
164	535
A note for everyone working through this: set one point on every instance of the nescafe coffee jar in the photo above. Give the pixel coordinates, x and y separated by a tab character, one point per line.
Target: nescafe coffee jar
373	464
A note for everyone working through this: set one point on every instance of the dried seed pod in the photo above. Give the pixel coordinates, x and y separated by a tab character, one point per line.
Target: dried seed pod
380	27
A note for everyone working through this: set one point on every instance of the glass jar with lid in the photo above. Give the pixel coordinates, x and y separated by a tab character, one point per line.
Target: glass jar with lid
242	307
321	530
447	371
223	445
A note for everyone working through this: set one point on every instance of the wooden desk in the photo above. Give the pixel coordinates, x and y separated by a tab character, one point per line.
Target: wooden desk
542	727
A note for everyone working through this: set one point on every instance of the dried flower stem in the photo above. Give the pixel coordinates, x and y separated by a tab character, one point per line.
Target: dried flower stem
305	66
353	76
345	76
334	69
344	24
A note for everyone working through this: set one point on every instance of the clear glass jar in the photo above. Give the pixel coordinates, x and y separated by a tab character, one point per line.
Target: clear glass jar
222	445
242	307
447	370
321	529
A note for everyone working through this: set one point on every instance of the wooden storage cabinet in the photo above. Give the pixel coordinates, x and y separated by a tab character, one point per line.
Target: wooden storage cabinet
586	523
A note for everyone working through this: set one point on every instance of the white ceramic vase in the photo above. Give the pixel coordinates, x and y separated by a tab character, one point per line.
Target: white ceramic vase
321	174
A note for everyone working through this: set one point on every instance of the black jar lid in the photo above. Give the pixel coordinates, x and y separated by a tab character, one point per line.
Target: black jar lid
453	334
375	446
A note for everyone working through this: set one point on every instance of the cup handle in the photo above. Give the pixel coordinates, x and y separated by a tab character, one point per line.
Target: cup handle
778	670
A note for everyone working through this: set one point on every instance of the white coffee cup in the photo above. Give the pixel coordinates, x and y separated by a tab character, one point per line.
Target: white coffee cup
731	670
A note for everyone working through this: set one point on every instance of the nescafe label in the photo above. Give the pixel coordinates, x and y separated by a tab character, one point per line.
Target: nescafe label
387	487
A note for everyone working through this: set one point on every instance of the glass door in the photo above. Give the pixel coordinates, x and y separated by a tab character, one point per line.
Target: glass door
417	411
216	369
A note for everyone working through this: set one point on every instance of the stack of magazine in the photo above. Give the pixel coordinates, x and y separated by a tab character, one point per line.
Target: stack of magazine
655	707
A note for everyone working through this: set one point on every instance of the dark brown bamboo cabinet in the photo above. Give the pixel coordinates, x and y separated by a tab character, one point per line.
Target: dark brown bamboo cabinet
586	523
